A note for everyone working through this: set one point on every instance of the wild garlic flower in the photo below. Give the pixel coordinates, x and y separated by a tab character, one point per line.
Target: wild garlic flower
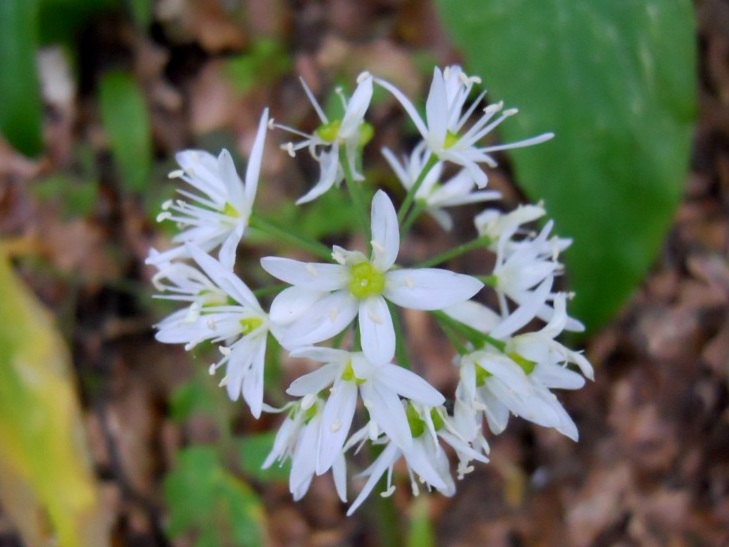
298	439
237	323
517	377
427	462
350	132
218	212
325	298
444	127
458	190
350	375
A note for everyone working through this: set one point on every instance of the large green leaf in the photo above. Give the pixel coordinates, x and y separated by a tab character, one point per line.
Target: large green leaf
203	496
126	122
615	82
20	102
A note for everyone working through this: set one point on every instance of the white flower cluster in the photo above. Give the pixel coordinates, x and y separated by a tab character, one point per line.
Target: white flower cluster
343	314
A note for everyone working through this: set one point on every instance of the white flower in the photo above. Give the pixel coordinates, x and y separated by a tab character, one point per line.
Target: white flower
519	269
458	190
325	298
444	126
518	377
242	325
427	462
297	439
380	387
350	131
218	213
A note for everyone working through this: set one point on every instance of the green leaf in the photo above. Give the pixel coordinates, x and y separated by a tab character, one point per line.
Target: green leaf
615	82
126	122
253	450
266	61
205	497
75	198
20	99
60	21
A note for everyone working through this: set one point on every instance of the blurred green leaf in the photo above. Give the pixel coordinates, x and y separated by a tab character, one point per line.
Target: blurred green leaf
253	450
61	20
420	531
203	496
266	61
615	82
21	110
141	11
126	122
44	460
76	198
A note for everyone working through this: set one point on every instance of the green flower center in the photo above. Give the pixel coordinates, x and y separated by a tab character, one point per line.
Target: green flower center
366	132
329	131
250	324
366	280
349	376
450	139
482	375
310	412
230	211
526	365
417	424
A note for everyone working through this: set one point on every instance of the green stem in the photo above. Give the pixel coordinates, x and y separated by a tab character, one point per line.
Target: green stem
274	230
474	336
355	192
420	204
432	161
273	289
483	241
401	351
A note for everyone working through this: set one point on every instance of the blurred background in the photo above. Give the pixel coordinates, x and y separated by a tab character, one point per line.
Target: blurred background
110	438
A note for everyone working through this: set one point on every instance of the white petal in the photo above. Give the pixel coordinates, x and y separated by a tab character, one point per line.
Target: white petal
329	169
419	459
292	303
330	315
253	381
339	472
254	161
474	314
335	424
310	275
409	385
429	288
322	354
436	110
224	278
313	382
230	246
525	312
375	471
387	411
407	105
376	329
385	232
555	376
233	184
356	108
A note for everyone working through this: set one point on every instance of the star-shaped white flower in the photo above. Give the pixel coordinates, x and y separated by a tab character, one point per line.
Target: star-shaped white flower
444	127
350	131
241	325
218	213
325	298
380	386
458	190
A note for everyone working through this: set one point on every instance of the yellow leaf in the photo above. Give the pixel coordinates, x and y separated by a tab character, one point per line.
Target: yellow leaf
46	482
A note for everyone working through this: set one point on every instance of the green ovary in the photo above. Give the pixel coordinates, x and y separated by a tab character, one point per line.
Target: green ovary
366	280
450	139
329	131
250	324
230	211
